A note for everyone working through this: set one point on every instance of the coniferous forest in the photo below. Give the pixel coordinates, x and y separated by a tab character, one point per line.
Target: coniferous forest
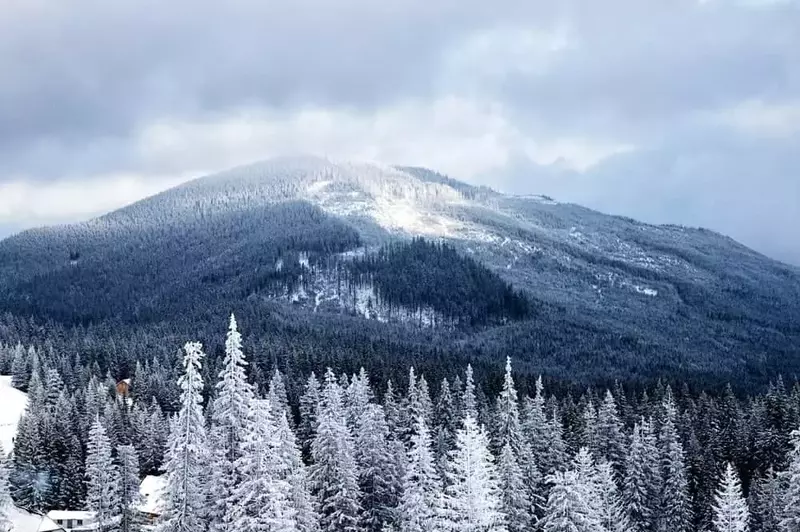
335	449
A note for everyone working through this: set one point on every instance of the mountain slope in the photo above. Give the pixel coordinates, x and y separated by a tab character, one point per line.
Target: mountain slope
608	296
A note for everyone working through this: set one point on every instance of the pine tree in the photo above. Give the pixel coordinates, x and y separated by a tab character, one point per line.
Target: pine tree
675	504
790	519
611	445
293	471
333	473
445	426
309	407
567	509
378	475
765	503
610	509
187	453
229	429
516	503
278	397
128	488
260	502
468	401
640	486
5	494
419	505
472	501
102	496
730	509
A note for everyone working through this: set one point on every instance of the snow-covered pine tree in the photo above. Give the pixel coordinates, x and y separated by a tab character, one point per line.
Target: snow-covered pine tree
333	473
293	471
278	397
765	503
422	487
567	509
358	397
674	503
5	494
515	458
639	485
229	428
102	495
445	427
128	488
610	511
611	445
469	405
790	520
589	437
378	475
730	508
472	501
187	453
309	406
260	501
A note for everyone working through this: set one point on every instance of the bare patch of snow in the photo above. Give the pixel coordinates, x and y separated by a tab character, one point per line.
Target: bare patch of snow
14	403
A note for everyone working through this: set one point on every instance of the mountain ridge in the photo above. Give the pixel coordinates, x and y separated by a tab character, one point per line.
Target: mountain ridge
697	299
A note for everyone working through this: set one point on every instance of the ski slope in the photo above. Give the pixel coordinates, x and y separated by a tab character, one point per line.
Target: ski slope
12	404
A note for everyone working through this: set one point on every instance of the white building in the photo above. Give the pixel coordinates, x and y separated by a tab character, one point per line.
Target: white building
71	520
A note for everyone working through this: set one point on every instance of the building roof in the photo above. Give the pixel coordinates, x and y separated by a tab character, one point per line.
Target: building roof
63	515
25	521
152	491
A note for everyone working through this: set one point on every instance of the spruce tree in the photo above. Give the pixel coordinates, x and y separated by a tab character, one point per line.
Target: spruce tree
378	476
128	488
309	407
790	519
611	445
187	453
675	504
567	509
102	495
730	509
292	470
420	502
333	473
260	501
6	503
228	429
472	501
610	510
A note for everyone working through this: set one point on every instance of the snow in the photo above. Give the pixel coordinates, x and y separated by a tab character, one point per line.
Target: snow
152	490
646	291
13	404
64	515
25	521
319	186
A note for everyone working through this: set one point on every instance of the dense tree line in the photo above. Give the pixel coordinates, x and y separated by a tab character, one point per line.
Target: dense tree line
348	452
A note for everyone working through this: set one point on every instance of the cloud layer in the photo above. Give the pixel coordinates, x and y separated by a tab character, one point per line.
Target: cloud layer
680	111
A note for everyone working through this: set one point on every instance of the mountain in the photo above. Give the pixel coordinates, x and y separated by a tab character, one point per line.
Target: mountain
420	262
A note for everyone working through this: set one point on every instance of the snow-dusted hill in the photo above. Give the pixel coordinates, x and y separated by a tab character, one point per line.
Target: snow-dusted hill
599	285
12	405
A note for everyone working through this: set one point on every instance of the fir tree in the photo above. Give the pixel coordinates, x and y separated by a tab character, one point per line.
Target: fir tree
730	509
469	406
610	510
187	453
640	483
333	473
6	503
292	470
611	445
675	504
102	495
309	407
790	519
229	429
419	506
472	501
128	488
567	509
765	503
378	475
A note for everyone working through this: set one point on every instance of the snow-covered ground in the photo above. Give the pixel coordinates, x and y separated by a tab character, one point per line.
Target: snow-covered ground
12	404
24	521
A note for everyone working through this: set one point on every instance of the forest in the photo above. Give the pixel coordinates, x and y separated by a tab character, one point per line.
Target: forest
334	451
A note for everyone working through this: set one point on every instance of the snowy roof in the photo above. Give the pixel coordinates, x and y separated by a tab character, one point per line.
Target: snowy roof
25	521
14	404
63	515
152	491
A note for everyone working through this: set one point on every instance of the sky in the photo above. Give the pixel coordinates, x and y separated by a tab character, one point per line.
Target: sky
668	111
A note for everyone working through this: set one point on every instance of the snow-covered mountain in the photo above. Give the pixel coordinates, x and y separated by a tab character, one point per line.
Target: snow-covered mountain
598	284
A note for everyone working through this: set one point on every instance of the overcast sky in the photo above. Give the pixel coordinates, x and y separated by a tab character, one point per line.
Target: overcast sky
664	110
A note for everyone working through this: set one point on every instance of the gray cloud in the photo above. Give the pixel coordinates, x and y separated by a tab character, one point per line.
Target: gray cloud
81	82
